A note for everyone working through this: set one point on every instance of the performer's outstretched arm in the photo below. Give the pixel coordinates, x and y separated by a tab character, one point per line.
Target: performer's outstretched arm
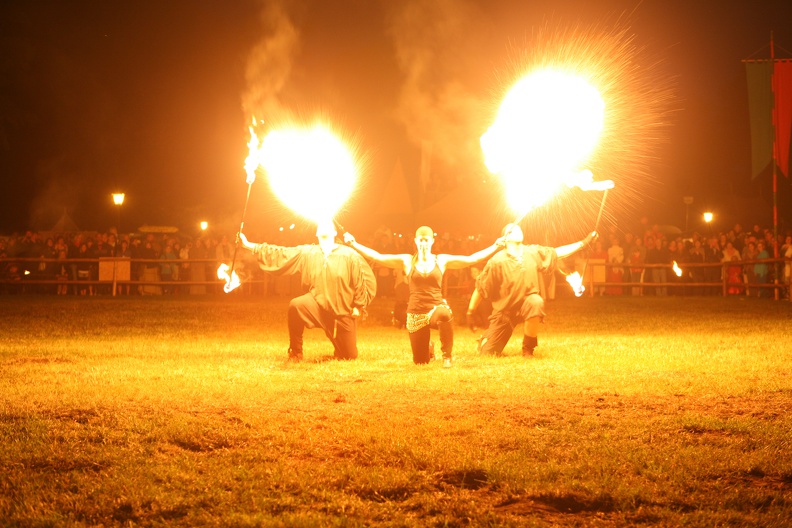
276	259
565	251
245	242
463	261
389	261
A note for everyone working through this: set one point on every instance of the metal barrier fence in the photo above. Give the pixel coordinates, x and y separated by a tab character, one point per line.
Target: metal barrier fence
114	274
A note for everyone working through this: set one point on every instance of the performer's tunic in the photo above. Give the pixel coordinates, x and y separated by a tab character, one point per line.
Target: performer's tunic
339	281
506	280
425	296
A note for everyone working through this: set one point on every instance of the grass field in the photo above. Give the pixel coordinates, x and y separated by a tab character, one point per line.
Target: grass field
636	411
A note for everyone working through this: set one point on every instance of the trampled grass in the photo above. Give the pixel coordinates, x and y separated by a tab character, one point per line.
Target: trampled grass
669	411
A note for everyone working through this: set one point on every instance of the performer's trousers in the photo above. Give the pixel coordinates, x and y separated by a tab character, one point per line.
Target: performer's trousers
441	320
502	324
304	312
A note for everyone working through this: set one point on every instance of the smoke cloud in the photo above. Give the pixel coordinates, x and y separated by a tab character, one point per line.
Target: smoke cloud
441	61
269	64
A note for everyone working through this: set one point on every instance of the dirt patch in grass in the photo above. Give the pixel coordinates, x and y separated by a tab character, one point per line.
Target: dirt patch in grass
471	479
201	444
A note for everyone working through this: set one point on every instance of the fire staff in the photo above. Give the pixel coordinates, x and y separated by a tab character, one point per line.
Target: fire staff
512	282
340	286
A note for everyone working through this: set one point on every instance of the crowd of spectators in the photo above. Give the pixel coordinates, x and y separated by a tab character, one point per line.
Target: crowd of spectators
74	259
736	256
174	263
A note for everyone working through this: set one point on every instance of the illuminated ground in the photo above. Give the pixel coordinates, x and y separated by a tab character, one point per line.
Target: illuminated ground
162	411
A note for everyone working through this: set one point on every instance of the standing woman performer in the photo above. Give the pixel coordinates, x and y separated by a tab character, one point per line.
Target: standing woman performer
426	307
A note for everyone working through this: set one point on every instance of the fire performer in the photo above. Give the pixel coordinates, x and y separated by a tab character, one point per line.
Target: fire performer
340	286
512	281
426	307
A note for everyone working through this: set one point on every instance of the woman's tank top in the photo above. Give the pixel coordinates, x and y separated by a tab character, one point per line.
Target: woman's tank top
425	290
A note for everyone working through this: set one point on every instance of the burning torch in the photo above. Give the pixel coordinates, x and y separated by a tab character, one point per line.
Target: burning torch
224	272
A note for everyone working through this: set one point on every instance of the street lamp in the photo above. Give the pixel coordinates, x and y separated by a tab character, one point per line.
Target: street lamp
118	200
708	217
204	225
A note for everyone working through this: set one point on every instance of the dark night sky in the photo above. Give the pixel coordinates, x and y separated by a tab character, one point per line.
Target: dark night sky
153	97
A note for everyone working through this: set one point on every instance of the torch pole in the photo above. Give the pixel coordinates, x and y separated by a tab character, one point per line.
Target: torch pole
241	227
596	227
339	228
602	206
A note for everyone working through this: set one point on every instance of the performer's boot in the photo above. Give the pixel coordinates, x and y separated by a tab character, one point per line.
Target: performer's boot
528	345
446	341
296	329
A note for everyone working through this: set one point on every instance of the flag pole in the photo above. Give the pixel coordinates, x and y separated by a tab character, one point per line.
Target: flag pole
773	87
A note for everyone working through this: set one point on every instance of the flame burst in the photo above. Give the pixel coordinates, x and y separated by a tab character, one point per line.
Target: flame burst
232	281
677	269
576	281
253	159
546	128
311	170
623	100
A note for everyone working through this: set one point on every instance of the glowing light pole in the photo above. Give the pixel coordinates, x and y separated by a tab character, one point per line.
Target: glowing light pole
708	218
204	225
118	200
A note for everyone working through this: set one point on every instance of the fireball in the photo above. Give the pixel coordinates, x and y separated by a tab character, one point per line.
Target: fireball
546	128
311	170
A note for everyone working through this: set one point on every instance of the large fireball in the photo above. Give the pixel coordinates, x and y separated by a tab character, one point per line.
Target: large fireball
310	170
546	128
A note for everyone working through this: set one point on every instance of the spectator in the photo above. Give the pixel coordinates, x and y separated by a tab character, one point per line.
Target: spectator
713	273
749	253
597	257
198	269
636	261
62	272
734	272
84	270
659	254
761	270
697	274
614	273
168	271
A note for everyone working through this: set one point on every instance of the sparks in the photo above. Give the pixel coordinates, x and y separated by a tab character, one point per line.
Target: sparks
624	82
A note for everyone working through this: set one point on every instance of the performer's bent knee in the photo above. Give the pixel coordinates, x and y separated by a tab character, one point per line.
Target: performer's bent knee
533	306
